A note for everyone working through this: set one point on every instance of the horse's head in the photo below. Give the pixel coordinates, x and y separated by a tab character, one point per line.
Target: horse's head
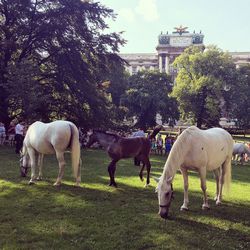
165	196
24	164
91	138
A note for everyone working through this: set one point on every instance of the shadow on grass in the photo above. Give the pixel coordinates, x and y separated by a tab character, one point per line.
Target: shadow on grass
96	216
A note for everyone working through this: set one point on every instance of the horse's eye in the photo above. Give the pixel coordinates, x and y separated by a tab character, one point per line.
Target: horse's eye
167	194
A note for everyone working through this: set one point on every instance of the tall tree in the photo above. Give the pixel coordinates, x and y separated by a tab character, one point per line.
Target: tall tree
148	95
202	83
67	43
239	98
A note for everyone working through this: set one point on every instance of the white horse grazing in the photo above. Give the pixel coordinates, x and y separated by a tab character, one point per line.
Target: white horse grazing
239	151
51	138
202	151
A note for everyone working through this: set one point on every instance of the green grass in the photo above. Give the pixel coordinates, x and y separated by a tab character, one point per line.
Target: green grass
96	216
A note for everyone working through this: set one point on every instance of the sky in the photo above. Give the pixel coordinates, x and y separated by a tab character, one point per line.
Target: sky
225	23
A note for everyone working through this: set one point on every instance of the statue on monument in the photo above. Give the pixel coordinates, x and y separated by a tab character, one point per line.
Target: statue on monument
181	30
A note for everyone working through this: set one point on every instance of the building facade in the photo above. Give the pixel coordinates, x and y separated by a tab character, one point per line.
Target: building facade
168	48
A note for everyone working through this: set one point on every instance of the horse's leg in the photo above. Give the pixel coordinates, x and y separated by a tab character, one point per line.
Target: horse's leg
141	171
217	179
202	173
142	168
111	170
222	179
61	162
40	166
184	172
148	165
78	178
32	155
242	156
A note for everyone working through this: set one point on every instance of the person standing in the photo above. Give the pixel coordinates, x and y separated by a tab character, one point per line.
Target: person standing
19	136
168	145
159	144
2	133
11	133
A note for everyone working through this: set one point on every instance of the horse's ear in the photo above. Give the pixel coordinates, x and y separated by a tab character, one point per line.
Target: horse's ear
169	180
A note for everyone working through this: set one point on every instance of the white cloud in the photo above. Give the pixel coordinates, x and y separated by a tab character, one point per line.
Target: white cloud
148	9
127	14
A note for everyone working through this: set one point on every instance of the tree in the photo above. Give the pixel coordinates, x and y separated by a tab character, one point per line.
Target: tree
239	99
56	50
148	95
202	83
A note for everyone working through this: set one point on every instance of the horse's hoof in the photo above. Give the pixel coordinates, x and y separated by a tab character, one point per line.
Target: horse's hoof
218	203
205	207
77	185
31	182
113	185
57	184
184	208
39	178
141	178
146	185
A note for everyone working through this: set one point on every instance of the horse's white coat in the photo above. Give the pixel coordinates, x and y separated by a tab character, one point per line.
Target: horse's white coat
239	150
198	150
52	138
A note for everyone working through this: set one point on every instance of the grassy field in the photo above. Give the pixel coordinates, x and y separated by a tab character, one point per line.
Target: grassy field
96	216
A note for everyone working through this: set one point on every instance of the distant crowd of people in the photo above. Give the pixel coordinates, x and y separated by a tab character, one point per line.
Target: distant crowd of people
14	135
160	146
16	132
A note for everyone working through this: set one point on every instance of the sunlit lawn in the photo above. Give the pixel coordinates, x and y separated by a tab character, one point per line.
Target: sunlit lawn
96	216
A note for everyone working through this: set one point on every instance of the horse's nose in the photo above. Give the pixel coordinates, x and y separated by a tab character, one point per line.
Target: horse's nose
163	213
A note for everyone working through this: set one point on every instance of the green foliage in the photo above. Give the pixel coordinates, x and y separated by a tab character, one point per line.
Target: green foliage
239	98
147	95
96	216
201	84
56	51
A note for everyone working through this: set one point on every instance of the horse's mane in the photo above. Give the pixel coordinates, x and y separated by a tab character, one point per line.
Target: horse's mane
156	130
178	149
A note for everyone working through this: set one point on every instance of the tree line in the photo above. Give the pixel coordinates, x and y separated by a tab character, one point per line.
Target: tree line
59	61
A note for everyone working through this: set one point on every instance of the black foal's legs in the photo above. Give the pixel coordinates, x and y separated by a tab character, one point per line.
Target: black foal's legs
146	162
148	171
141	171
111	170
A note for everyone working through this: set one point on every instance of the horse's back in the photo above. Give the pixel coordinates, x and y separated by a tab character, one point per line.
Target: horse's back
239	148
131	147
47	137
209	147
219	146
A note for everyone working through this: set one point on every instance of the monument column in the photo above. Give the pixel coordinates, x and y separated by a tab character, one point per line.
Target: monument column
167	64
160	62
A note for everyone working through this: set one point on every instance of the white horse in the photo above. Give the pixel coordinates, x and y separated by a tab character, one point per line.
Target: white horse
239	151
51	138
202	151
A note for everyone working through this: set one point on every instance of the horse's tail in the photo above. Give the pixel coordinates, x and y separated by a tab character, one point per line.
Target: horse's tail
75	153
228	169
156	130
228	175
